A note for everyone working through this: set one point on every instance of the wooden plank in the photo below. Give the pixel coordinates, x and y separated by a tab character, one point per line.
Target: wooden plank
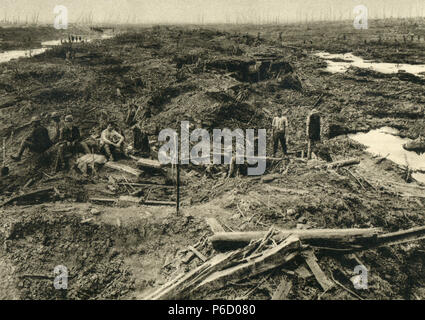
228	240
130	199
159	203
287	190
144	162
123	168
338	164
28	195
108	200
282	290
214	225
183	283
150	185
321	277
197	253
402	236
269	259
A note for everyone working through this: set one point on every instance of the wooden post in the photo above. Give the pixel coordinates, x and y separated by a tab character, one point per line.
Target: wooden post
309	149
178	178
178	189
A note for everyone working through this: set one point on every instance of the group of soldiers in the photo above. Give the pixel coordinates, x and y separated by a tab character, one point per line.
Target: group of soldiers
66	138
65	135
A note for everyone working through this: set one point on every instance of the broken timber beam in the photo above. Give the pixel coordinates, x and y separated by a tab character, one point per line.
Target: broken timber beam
130	199
321	277
339	164
403	236
144	162
282	290
158	203
214	225
29	195
106	200
183	283
150	185
123	167
232	240
268	260
197	253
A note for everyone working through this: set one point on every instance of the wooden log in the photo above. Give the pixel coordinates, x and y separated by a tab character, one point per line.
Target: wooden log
402	236
107	200
339	164
214	225
144	162
282	290
287	190
269	259
150	185
28	195
123	168
185	282
232	240
130	199
197	253
311	261
158	203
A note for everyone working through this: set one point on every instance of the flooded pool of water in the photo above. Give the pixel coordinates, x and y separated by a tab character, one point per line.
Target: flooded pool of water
27	53
339	63
386	141
15	54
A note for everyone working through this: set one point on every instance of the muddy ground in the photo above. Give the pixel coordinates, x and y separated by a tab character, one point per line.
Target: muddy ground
222	76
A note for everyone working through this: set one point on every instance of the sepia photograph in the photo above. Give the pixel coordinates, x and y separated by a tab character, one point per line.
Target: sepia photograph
235	151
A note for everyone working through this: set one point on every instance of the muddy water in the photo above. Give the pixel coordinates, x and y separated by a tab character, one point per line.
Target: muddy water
15	54
386	141
27	53
349	59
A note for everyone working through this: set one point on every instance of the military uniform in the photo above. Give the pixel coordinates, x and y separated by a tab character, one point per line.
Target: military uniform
69	143
38	141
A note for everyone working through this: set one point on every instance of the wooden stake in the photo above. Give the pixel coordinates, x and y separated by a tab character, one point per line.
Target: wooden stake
178	179
309	150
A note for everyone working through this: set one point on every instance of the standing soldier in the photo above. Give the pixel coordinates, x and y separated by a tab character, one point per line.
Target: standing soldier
141	141
279	127
131	113
313	130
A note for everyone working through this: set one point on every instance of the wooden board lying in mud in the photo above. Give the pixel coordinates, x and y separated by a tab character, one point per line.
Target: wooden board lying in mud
123	167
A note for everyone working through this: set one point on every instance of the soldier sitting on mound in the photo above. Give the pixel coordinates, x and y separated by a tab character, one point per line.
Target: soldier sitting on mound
37	141
69	142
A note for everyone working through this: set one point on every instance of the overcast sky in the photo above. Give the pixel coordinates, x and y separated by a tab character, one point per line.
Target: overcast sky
207	11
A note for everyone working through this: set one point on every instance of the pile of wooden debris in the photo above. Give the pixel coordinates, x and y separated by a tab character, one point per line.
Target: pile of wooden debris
243	255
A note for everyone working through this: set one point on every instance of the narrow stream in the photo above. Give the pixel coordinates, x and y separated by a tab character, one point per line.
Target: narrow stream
386	141
339	63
